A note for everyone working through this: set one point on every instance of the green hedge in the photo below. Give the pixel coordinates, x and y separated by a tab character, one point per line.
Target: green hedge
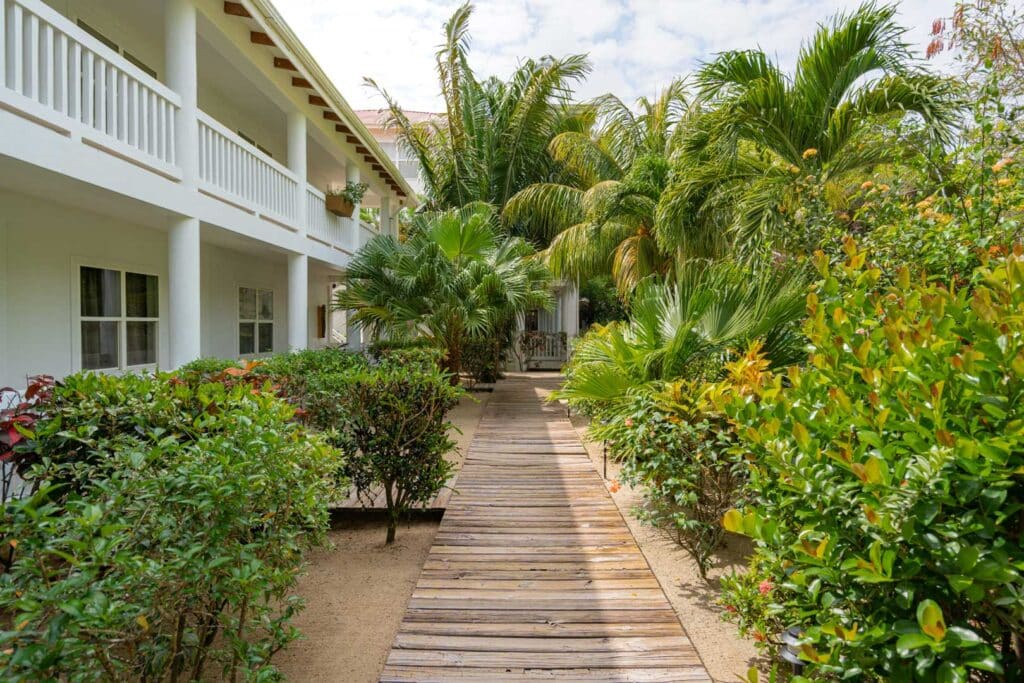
167	534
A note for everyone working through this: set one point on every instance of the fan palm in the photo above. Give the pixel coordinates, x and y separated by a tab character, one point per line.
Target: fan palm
771	145
601	218
686	328
490	141
456	278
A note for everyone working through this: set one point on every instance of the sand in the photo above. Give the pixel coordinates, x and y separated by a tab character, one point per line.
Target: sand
356	592
726	655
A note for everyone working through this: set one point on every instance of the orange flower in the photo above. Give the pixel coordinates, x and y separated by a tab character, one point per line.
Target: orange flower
614	486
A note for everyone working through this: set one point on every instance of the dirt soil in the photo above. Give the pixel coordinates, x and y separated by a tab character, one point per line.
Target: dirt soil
726	655
356	592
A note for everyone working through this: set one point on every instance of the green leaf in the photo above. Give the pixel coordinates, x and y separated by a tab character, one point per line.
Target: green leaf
929	618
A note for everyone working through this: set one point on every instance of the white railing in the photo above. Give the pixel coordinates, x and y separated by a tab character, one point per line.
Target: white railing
321	223
62	75
366	232
234	170
552	346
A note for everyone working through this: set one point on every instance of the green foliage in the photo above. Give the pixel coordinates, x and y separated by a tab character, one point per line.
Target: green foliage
599	302
205	367
772	154
490	141
687	328
482	360
455	279
600	219
390	422
167	533
886	476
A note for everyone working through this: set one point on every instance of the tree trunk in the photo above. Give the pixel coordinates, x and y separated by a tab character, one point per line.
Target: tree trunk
454	362
392	514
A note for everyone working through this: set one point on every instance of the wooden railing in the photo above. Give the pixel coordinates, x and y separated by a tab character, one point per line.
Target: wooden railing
228	165
61	75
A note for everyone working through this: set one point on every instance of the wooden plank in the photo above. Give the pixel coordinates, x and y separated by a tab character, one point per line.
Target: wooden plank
282	63
261	38
533	574
301	83
317	101
236	9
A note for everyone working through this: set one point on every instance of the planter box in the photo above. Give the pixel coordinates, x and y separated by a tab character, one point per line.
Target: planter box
340	206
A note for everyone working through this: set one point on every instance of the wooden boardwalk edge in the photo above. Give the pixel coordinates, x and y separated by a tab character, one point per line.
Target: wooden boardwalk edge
533	574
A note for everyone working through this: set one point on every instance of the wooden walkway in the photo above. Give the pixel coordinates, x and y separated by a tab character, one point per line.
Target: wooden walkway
533	574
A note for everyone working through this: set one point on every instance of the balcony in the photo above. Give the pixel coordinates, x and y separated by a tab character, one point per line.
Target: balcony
54	73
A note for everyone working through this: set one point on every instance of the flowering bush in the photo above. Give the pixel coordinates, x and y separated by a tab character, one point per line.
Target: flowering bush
886	479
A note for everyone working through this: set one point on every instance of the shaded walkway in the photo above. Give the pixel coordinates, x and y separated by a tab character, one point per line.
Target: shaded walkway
533	574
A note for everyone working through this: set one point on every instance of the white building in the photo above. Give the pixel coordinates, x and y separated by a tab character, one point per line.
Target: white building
407	165
162	173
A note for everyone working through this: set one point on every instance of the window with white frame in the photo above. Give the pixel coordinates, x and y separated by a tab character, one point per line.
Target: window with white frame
255	321
119	315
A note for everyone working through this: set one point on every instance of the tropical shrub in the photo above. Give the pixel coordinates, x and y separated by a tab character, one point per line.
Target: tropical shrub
455	279
167	532
390	423
687	328
481	360
205	367
679	449
885	477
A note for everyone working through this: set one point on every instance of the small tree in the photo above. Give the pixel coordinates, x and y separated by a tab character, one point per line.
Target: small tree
391	422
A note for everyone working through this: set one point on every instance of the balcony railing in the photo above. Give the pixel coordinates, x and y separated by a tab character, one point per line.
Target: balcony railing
228	164
54	73
67	79
323	225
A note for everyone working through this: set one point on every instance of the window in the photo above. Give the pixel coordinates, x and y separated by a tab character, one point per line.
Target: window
119	312
255	321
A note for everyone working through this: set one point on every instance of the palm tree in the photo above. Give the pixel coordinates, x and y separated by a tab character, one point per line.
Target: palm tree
490	141
601	218
770	155
455	278
686	328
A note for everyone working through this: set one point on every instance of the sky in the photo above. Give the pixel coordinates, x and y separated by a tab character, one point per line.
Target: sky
635	46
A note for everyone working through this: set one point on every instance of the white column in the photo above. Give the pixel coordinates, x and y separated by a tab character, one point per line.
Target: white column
183	291
297	162
298	301
180	54
571	310
385	215
352	176
353	334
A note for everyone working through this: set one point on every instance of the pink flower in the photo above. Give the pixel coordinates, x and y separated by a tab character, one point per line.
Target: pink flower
629	422
766	587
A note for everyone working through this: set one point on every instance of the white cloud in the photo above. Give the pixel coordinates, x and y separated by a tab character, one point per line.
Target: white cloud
635	46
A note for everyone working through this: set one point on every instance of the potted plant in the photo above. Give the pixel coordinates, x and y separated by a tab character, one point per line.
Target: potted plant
342	201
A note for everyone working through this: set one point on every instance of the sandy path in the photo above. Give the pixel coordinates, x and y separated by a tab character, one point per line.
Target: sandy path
356	592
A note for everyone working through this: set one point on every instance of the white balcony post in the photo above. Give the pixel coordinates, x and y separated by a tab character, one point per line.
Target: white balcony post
297	163
298	301
183	291
352	176
181	60
385	215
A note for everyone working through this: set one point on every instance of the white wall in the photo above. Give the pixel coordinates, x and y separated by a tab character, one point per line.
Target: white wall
41	246
223	272
45	245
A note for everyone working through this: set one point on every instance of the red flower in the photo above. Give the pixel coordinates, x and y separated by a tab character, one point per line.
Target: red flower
766	586
629	422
